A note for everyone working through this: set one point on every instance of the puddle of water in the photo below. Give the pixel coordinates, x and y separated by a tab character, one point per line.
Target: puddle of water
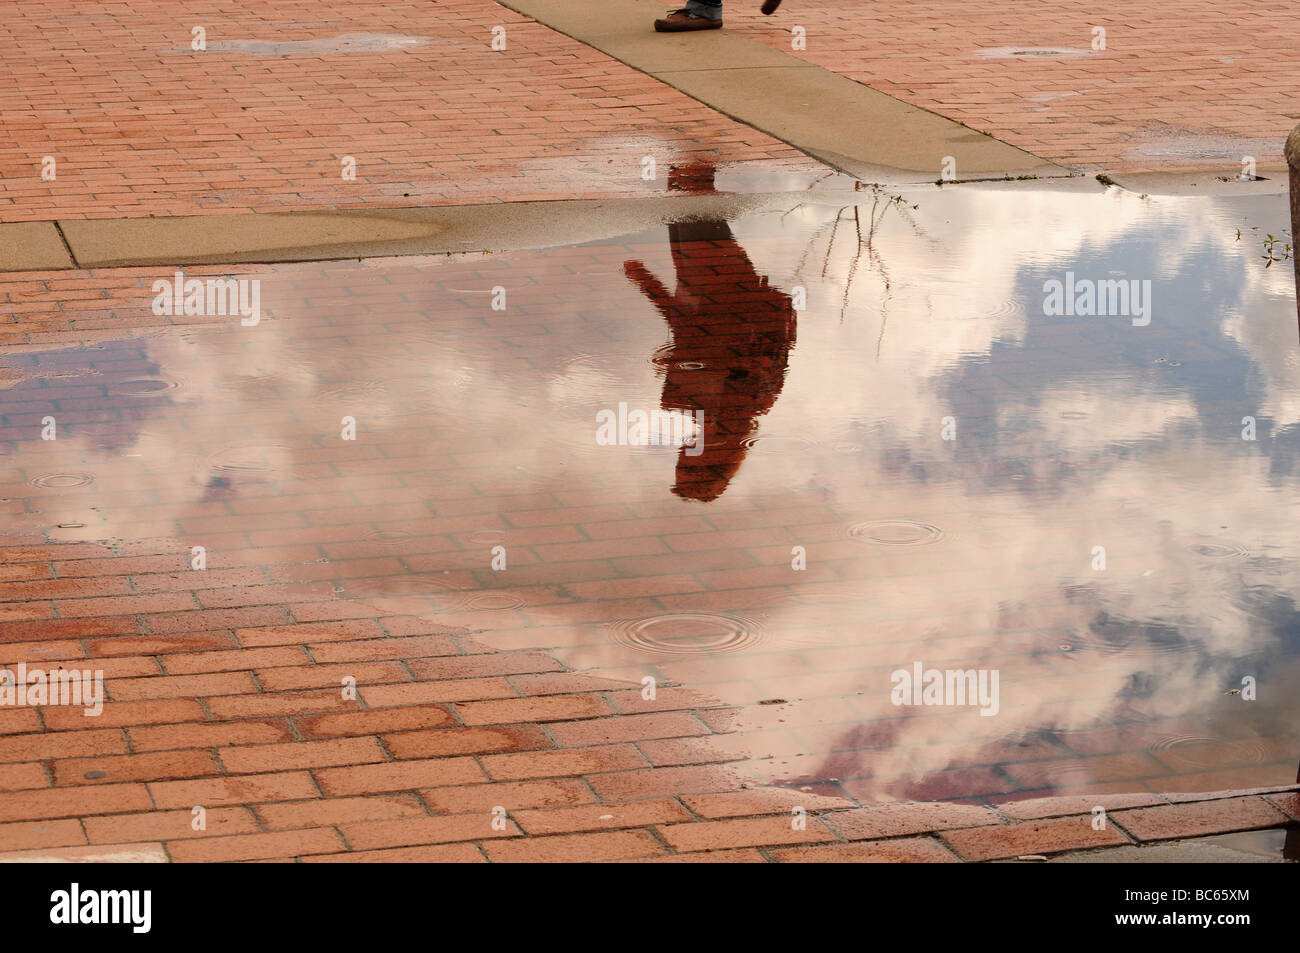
1032	52
317	46
904	457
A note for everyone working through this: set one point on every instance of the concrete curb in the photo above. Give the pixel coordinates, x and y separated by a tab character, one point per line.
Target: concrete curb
834	119
321	235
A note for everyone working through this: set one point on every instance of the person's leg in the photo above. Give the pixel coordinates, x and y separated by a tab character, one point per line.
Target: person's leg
709	9
696	15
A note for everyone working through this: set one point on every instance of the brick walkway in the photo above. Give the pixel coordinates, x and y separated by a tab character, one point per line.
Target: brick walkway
139	125
224	685
1181	85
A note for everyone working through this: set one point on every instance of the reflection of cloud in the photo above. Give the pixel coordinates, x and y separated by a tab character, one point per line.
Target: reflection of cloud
1070	435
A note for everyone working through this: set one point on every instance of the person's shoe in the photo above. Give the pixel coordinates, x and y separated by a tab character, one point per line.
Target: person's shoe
680	21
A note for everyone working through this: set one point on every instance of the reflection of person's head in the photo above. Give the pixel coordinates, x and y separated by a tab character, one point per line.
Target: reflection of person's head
731	334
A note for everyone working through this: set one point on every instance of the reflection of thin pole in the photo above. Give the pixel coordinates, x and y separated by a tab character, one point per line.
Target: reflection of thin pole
853	268
826	263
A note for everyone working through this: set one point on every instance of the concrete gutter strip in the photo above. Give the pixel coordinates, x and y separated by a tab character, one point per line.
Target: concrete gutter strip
837	120
33	246
360	233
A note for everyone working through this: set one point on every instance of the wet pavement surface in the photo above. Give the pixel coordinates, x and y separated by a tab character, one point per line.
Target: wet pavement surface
874	451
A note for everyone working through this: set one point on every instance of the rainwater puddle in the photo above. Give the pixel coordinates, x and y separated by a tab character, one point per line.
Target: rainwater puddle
906	455
344	43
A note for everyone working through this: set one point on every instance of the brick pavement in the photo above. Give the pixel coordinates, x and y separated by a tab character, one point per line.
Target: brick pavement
138	124
1188	84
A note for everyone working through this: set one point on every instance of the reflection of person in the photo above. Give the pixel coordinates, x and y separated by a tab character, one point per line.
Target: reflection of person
731	337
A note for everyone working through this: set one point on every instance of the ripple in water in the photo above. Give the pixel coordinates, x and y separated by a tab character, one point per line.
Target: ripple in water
776	443
488	600
61	481
686	634
896	532
143	386
1221	551
1195	751
1121	642
253	459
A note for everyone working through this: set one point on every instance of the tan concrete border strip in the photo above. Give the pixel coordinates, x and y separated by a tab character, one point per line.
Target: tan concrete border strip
33	246
266	237
837	120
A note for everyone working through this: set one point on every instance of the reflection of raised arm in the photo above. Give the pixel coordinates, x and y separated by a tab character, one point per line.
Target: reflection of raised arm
652	288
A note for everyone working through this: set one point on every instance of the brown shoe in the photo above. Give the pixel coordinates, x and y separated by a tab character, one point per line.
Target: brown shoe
680	21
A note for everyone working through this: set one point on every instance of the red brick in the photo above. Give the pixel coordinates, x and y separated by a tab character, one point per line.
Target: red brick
517	710
23	776
422	693
470	666
342	810
756	832
343	724
403	776
1199	818
250	759
656	782
254	846
460	853
115	714
512	795
236	660
306	632
453	741
1031	837
575	848
63	744
596	817
181	686
27	835
894	820
629	728
247	789
74	802
210	735
389	648
322	676
157	766
561	762
280	703
427	830
906	850
168	825
1034	808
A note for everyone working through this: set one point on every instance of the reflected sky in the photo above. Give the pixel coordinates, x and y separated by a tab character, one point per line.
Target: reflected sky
919	316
